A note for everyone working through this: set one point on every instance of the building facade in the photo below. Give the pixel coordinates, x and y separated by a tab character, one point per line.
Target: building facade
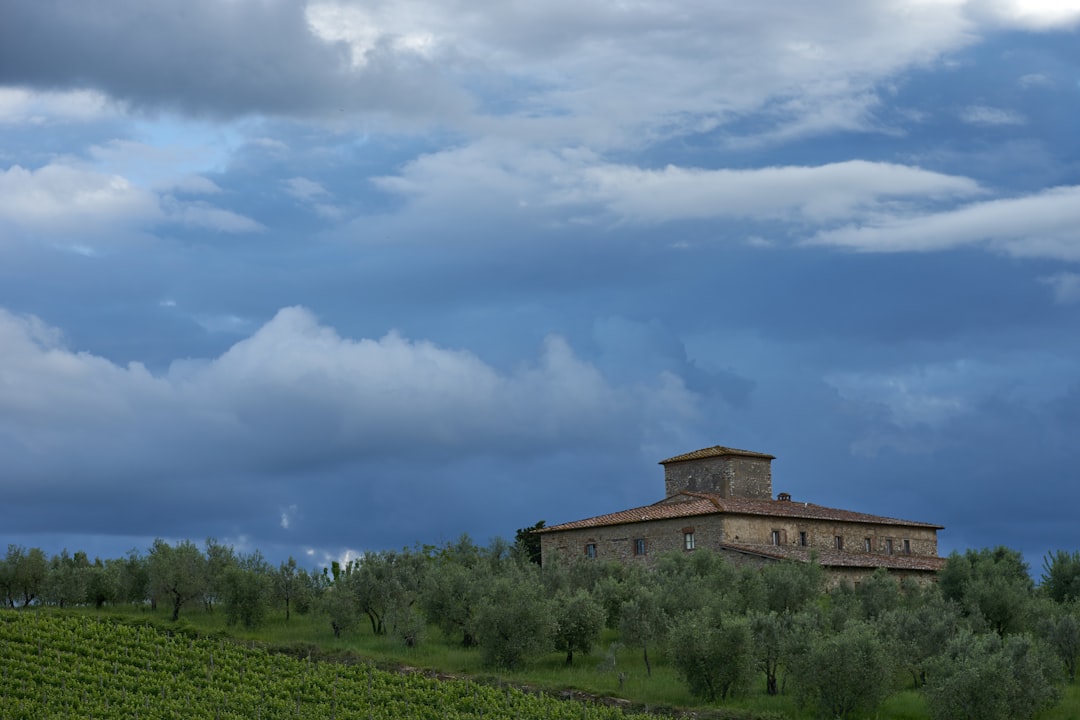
721	498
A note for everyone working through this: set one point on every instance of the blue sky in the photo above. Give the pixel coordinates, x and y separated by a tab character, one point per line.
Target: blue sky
328	276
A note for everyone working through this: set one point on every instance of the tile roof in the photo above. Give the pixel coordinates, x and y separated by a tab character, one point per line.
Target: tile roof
830	557
708	504
656	511
794	509
715	451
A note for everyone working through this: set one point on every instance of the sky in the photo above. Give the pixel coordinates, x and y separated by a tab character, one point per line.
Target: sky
328	276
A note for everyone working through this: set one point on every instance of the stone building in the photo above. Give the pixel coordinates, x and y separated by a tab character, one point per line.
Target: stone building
721	498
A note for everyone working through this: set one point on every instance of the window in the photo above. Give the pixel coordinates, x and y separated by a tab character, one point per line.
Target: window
839	542
639	546
802	538
868	545
590	550
688	540
907	547
888	546
775	537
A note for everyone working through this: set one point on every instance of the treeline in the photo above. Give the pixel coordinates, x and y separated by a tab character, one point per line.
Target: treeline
982	642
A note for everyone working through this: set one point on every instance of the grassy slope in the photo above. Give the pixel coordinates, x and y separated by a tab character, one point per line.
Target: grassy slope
595	674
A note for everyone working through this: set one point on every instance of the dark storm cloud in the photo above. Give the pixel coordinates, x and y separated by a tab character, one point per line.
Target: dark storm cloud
207	58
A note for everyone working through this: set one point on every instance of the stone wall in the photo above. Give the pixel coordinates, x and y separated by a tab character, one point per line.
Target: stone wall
728	475
618	542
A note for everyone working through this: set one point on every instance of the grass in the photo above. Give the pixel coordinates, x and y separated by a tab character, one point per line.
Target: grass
597	673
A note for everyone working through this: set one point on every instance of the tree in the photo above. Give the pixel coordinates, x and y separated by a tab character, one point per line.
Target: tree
918	632
578	620
714	660
24	577
982	677
642	621
454	588
1061	576
527	541
67	579
992	587
514	619
790	585
289	585
768	631
339	605
245	590
842	675
220	561
178	573
1059	628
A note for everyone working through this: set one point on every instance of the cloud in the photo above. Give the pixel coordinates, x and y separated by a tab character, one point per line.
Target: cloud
1041	225
573	184
817	194
22	106
1065	286
614	74
202	215
983	115
296	394
1028	14
64	199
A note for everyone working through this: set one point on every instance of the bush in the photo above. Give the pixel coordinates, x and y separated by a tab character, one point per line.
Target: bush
714	660
982	677
842	675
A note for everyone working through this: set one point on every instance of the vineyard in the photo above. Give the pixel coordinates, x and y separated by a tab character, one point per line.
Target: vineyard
78	667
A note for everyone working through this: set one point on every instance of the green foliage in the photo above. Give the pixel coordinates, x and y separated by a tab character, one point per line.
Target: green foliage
842	675
991	586
769	631
791	585
57	667
527	542
982	677
1061	576
577	619
513	622
245	592
177	573
22	575
643	622
918	632
1059	628
714	660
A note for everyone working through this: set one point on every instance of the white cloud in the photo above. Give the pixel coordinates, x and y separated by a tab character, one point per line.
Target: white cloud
296	392
21	106
65	199
213	218
304	189
1065	286
1032	80
820	193
983	115
1029	14
573	184
1043	225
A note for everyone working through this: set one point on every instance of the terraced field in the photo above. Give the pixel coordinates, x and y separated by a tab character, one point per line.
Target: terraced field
57	666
